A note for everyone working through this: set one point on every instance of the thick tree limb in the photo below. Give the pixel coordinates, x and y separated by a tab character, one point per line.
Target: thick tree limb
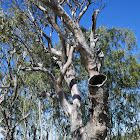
67	107
64	51
54	51
65	67
98	95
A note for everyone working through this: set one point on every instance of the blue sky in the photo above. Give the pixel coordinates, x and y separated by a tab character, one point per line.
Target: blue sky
117	13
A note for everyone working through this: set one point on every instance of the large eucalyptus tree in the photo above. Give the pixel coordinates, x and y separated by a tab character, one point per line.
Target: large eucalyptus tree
66	24
28	35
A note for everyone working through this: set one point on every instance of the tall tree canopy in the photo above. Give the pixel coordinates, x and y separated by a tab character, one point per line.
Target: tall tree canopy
56	76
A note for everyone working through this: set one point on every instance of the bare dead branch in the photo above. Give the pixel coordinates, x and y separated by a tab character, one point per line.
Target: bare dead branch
83	11
102	6
40	68
70	6
93	40
92	35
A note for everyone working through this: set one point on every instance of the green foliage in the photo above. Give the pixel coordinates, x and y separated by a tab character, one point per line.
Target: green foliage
122	68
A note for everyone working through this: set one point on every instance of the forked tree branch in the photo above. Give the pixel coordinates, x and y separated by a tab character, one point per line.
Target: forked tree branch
54	24
71	81
51	49
59	11
62	14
